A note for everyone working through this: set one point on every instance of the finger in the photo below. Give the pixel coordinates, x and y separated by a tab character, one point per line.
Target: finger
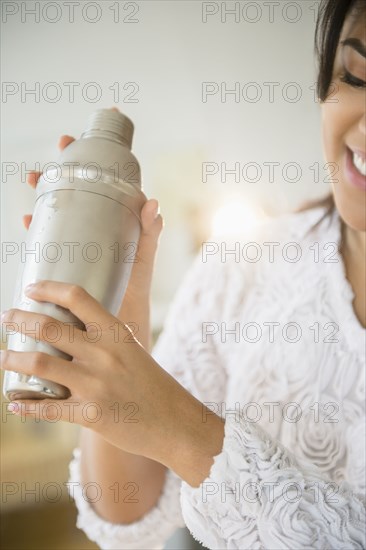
33	177
43	328
51	410
45	366
152	225
72	297
149	214
27	218
64	141
152	222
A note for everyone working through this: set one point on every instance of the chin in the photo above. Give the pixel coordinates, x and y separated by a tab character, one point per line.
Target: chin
351	205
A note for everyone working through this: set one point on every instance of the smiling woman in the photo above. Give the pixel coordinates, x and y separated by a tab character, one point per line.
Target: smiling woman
248	417
344	121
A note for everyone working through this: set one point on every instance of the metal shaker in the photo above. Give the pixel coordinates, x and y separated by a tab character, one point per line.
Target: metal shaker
85	230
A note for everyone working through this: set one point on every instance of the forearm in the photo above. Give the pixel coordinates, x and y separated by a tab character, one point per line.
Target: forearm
112	469
124	477
108	466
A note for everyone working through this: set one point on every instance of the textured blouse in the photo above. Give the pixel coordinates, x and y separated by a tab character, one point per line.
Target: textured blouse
263	332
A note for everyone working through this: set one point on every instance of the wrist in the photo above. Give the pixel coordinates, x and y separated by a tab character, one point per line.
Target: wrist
199	438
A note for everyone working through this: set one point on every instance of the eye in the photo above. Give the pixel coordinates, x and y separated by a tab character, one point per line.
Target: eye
348	78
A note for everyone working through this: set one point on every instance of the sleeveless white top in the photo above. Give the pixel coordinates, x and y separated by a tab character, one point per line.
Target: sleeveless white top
266	336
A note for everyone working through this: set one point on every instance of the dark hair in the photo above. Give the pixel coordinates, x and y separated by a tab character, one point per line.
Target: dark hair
331	17
326	202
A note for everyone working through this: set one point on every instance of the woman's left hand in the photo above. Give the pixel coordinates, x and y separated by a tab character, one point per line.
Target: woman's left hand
117	388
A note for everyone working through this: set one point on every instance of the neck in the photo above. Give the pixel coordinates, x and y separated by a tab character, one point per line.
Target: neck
355	245
353	250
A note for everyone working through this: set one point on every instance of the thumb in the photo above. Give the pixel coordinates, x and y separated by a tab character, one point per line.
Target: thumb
152	225
151	220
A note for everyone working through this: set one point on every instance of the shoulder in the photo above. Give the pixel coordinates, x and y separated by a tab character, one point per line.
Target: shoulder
281	252
300	227
272	248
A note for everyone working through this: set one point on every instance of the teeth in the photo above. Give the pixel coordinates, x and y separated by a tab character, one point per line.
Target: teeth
360	164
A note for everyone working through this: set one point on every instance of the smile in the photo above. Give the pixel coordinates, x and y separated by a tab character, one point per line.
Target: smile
359	163
355	169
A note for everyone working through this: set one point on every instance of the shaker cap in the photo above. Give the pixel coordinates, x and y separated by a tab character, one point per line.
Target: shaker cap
112	121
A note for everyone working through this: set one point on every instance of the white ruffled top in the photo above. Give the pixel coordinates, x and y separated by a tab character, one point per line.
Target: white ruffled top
267	338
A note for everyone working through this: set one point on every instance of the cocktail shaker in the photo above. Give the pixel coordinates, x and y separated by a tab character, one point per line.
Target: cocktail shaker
85	230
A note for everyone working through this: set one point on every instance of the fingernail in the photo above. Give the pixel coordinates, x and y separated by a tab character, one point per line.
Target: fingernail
13	407
29	288
3	314
156	211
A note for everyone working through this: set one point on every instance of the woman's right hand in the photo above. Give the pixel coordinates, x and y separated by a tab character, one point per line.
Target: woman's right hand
136	300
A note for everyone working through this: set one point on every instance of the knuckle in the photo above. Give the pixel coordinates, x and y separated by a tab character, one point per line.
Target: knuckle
41	325
39	363
50	330
76	293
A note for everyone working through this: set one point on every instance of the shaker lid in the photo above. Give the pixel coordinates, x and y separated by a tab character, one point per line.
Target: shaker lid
110	120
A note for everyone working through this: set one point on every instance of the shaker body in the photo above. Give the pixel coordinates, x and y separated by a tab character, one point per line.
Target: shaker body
82	234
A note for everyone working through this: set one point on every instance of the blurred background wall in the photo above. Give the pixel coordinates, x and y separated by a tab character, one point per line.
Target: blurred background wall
227	132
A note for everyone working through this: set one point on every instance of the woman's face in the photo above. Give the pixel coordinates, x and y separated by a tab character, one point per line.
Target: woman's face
344	125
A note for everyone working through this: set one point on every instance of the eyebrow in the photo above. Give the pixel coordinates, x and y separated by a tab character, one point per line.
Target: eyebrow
356	44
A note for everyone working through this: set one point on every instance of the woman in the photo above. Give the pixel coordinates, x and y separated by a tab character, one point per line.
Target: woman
248	424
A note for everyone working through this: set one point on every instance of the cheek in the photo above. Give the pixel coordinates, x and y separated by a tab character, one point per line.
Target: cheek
340	127
335	125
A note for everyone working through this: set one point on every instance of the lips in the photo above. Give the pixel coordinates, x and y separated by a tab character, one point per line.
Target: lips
353	176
